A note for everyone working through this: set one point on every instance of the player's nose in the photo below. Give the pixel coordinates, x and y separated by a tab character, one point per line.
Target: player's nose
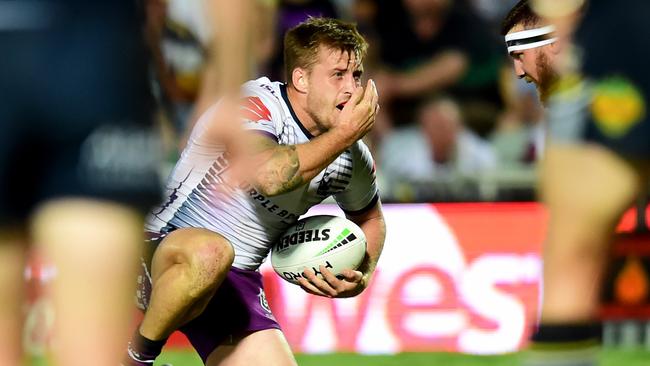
350	84
519	69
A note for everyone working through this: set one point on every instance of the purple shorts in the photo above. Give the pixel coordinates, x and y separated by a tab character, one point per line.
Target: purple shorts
238	308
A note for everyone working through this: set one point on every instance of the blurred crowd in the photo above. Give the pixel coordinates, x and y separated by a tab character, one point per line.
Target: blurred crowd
455	123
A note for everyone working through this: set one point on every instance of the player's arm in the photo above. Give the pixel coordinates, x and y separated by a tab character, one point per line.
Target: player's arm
374	227
243	29
353	282
282	168
563	14
439	72
278	169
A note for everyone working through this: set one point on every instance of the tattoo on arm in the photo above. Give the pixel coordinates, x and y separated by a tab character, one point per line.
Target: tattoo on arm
283	170
280	172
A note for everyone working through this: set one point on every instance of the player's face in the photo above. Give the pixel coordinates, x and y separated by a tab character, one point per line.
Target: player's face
535	66
332	80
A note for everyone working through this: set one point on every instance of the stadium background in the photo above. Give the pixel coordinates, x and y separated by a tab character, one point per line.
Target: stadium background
461	270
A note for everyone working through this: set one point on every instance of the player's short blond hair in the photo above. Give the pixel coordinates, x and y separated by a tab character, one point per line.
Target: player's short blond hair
301	42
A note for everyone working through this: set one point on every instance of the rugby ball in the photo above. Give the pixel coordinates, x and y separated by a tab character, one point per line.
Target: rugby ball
331	241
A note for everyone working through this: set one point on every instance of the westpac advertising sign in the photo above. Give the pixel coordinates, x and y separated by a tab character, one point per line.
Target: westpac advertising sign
452	277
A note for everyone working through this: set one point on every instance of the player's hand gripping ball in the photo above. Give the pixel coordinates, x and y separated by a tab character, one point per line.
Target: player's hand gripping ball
333	242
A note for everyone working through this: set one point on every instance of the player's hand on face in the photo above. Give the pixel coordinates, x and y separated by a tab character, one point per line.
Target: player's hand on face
358	115
349	283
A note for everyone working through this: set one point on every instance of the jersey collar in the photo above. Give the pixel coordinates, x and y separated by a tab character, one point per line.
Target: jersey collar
283	91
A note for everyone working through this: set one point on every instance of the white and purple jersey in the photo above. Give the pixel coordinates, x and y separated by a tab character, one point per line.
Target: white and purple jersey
201	192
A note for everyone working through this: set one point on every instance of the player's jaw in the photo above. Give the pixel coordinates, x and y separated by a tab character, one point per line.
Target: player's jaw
323	110
326	105
546	77
536	68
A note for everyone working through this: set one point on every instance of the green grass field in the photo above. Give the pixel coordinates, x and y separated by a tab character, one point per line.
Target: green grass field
608	357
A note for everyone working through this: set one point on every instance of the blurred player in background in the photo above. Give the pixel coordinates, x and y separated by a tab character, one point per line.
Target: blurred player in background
234	191
533	45
233	57
79	157
597	159
198	47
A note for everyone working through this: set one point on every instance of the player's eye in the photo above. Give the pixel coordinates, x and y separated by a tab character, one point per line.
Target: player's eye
338	74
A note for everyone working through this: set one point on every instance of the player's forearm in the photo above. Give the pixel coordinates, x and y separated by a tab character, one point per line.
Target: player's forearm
374	228
440	72
287	167
232	55
375	231
557	8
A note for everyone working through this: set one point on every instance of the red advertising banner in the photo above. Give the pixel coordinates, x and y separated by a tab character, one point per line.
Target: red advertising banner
452	277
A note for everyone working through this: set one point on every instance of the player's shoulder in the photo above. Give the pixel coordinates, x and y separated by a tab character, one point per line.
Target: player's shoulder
360	156
359	163
360	149
263	87
263	96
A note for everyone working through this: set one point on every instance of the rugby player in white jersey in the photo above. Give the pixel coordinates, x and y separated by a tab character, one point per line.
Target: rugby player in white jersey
300	144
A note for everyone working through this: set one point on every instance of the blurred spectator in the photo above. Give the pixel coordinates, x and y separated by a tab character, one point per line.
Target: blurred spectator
290	13
433	47
493	11
438	148
345	8
364	13
518	138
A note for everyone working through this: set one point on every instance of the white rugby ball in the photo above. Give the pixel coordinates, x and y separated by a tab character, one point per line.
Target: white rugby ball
331	241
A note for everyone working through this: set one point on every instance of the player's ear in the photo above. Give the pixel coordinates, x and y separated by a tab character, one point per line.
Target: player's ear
299	79
557	47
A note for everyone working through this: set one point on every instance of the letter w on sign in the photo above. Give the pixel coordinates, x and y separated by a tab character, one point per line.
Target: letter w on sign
254	110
